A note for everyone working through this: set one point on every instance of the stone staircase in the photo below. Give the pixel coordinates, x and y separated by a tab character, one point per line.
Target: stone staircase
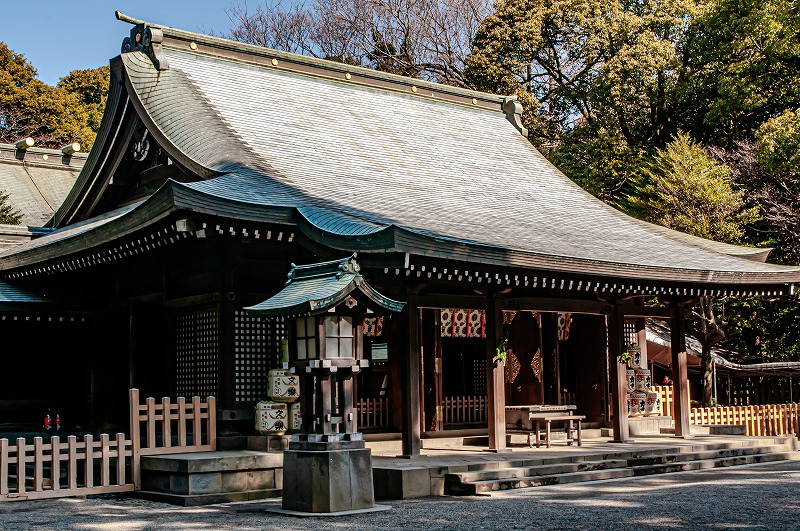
563	470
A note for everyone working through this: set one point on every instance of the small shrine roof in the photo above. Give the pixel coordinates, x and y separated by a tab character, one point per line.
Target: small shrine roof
316	288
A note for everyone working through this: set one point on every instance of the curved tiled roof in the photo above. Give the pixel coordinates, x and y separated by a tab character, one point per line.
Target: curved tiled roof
356	160
375	162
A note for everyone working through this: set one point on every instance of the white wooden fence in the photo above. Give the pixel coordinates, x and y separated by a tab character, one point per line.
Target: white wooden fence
108	465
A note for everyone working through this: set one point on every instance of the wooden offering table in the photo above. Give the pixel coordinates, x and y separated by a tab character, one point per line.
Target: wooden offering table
529	419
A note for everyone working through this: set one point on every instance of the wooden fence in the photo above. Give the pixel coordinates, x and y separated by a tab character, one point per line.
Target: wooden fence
760	421
767	420
108	465
666	392
373	413
465	410
58	469
171	427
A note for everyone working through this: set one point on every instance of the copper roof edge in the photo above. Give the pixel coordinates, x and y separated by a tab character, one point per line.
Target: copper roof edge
363	73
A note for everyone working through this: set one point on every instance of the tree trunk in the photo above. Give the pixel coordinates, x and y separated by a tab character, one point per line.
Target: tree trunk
708	333
708	376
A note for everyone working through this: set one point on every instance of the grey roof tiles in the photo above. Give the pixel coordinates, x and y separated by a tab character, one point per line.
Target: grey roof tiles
37	180
356	159
379	168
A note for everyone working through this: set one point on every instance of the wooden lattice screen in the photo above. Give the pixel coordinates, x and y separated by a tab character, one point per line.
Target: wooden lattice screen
197	353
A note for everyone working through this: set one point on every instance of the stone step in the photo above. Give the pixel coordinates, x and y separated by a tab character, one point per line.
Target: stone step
568	467
194	500
202	478
781	443
710	429
472	483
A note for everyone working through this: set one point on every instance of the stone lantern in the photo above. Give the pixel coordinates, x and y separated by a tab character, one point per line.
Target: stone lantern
327	468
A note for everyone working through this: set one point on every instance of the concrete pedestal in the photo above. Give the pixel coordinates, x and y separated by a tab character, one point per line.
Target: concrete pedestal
327	477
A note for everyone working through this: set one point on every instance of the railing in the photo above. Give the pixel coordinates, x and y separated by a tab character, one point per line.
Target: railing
58	469
187	421
760	421
465	409
666	392
78	468
373	413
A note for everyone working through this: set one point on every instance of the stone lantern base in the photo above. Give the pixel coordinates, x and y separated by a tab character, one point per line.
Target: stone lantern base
327	477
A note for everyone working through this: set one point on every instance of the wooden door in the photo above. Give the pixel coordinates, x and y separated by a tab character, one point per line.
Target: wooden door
524	364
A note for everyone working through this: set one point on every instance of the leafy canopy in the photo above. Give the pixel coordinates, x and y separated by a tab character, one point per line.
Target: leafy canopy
8	216
52	116
684	189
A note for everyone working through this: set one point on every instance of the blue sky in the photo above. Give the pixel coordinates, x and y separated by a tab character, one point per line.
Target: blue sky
58	36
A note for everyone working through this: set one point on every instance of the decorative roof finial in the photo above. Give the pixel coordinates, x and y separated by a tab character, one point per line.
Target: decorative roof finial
513	110
147	39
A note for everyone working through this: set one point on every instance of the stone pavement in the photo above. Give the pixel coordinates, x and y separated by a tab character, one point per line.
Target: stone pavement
747	497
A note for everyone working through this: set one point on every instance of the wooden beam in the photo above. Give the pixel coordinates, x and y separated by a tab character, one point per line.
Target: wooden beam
410	367
544	304
495	377
680	377
648	311
471	302
619	388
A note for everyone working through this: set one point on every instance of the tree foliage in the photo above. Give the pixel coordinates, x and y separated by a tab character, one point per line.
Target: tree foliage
745	58
597	72
8	216
684	189
52	116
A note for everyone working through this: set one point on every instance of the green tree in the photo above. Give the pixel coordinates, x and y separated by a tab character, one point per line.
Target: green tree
8	216
52	116
597	72
778	142
684	189
744	56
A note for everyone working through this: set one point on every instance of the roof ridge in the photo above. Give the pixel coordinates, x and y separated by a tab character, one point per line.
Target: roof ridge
42	150
326	64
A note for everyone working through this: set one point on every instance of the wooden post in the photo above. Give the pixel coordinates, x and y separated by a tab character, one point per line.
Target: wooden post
55	469
120	459
38	468
136	440
680	376
88	454
495	377
438	370
4	462
619	385
410	370
212	422
21	460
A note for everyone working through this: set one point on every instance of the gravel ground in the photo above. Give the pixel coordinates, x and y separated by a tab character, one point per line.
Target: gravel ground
746	497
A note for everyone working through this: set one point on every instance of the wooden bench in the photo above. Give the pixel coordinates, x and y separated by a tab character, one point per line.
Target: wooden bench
547	419
529	420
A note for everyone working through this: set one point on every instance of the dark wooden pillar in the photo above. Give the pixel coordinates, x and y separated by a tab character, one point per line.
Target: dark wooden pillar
495	377
410	369
680	376
619	387
431	360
